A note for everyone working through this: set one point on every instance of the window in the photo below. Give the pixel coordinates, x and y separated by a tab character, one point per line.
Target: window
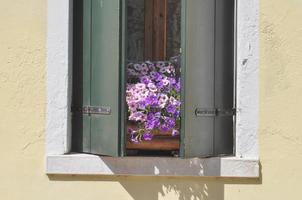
245	159
110	42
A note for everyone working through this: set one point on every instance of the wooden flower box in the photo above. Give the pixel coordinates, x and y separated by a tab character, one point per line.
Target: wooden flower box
161	141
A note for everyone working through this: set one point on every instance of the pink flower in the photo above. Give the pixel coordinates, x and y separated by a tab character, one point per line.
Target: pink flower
132	106
140	86
152	87
165	81
175	132
138	116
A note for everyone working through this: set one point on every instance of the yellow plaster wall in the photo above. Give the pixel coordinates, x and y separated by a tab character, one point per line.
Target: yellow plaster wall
22	108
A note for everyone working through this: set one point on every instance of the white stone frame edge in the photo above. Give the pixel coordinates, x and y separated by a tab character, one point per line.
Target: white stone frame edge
245	163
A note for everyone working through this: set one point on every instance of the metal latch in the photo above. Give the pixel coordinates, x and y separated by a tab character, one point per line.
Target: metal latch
214	112
94	110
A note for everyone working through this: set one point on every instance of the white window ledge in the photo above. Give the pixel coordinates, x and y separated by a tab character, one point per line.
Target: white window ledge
152	166
245	163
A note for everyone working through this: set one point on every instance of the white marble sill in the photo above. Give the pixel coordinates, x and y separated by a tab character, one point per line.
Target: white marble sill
87	164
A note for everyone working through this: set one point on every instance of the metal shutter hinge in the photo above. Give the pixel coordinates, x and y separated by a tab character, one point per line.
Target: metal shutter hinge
93	110
214	112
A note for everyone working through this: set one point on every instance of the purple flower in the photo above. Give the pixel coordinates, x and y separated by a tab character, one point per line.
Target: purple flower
151	100
158	77
164	128
160	84
145	79
153	74
172	81
152	123
152	95
149	125
147	136
176	114
157	115
171	108
142	105
170	122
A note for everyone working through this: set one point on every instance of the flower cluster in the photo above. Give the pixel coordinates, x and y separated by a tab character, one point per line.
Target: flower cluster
153	99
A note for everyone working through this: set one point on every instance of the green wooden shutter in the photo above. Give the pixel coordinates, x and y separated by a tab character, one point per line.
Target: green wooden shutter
224	76
81	75
208	77
105	75
100	74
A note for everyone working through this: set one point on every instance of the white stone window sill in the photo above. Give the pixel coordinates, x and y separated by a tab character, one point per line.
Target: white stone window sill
86	164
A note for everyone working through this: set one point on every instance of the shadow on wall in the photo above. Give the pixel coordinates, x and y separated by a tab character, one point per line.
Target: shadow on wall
154	188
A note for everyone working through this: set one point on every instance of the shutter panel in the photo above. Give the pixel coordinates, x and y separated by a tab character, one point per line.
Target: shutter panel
98	133
81	75
224	76
105	76
208	78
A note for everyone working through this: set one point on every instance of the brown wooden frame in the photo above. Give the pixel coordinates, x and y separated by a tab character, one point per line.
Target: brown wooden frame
155	29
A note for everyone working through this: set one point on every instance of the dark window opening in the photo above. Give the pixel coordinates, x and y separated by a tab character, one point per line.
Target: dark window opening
153	77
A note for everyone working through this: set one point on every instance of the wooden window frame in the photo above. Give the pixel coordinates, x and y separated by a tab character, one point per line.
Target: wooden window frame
245	162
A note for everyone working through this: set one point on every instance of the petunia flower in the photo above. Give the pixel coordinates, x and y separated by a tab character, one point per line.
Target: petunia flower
171	108
147	136
140	86
175	132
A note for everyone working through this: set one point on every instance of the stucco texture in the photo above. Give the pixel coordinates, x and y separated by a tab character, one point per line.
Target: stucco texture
23	102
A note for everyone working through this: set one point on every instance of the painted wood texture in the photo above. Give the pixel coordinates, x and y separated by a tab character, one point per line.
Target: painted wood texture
81	75
157	143
160	141
209	77
98	76
105	48
155	29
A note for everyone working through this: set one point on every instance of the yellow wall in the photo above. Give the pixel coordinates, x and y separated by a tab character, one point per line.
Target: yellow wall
22	108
